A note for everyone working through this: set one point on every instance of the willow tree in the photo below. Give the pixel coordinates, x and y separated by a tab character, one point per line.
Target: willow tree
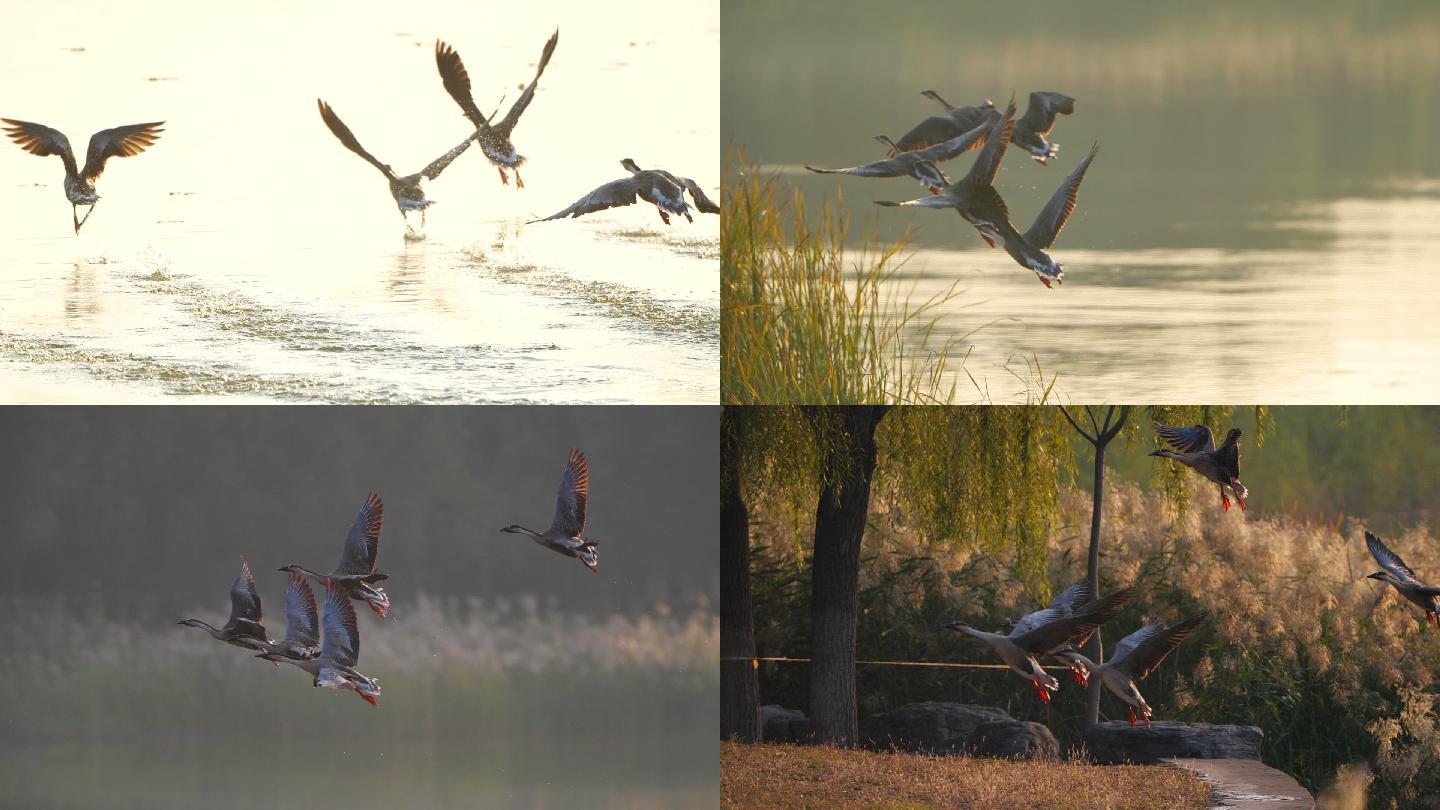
983	476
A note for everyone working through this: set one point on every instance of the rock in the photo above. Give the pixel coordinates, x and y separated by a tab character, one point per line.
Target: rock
929	727
779	724
1118	742
1013	739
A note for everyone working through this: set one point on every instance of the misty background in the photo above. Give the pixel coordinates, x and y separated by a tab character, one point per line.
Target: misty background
511	675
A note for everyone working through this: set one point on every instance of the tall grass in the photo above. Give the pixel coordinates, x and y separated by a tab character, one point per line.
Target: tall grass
1335	668
797	328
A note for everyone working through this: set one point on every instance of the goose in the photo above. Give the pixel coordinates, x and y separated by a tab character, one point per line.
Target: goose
1028	249
125	141
658	187
1136	656
1038	121
302	635
494	139
408	194
356	574
1404	580
940	128
334	667
1078	598
565	533
974	195
1053	631
1195	448
919	164
244	629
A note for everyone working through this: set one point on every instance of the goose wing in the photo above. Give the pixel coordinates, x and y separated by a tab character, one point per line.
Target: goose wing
362	542
987	163
702	201
1389	560
1052	218
1143	650
244	598
1067	601
118	142
438	164
959	144
1059	627
457	84
891	167
614	194
1187	440
341	643
1044	106
38	139
570	501
513	117
301	617
345	136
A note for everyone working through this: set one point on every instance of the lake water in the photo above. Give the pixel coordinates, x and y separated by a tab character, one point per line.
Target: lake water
1258	227
248	256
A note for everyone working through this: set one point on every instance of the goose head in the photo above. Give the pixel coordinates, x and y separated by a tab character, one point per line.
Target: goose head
630	166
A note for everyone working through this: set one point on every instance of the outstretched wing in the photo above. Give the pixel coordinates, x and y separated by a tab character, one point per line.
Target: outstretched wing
1059	627
957	145
1044	106
438	164
342	637
987	163
1074	597
570	501
932	201
38	139
343	133
244	598
300	613
1143	650
513	117
1187	440
118	142
893	167
362	543
1389	560
457	84
702	202
611	195
1052	218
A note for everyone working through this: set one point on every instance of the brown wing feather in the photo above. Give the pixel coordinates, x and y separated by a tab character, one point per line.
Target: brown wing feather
457	84
1151	652
38	139
125	141
513	117
611	195
1052	218
987	163
346	137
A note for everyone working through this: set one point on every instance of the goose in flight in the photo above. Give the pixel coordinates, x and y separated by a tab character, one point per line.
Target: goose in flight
126	141
1136	656
1404	580
1051	632
566	532
1078	598
408	194
660	188
334	667
494	138
940	128
919	164
356	574
244	628
1029	249
302	634
1038	121
1195	448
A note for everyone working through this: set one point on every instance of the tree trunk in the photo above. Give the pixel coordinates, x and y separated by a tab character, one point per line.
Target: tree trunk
739	685
847	442
1096	649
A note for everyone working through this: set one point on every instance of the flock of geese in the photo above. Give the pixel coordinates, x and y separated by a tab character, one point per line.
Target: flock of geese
329	652
962	129
660	188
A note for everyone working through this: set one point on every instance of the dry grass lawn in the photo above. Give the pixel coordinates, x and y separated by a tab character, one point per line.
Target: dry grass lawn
808	776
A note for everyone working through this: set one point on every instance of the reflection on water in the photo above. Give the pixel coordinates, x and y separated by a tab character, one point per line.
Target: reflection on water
249	255
1255	227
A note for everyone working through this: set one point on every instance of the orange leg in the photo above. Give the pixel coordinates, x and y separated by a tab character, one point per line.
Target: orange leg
519	183
504	180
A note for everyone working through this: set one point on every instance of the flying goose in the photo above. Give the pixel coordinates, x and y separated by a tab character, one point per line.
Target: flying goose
1404	580
302	635
1078	598
244	628
919	164
494	138
38	139
408	194
658	187
565	533
1195	448
1053	631
940	128
356	574
1028	249
974	195
334	667
1136	656
1038	121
